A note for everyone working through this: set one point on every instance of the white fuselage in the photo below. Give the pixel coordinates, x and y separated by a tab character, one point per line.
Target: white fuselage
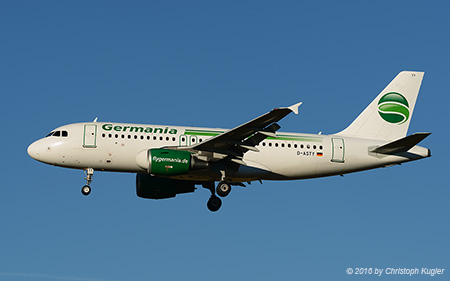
115	147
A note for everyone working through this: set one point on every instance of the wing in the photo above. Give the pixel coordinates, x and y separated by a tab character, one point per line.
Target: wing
235	142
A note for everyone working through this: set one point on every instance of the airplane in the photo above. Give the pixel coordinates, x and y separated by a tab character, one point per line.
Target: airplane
172	160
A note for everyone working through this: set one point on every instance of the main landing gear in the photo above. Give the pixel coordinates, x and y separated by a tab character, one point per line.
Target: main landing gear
214	202
223	189
86	190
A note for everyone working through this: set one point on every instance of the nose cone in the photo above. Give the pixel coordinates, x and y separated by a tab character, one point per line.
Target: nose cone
34	150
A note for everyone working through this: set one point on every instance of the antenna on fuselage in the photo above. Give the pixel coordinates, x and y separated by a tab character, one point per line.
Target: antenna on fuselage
95	120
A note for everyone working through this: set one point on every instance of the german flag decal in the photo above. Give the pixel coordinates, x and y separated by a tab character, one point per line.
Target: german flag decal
320	154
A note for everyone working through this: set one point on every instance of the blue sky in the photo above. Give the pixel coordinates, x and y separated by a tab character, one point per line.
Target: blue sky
219	64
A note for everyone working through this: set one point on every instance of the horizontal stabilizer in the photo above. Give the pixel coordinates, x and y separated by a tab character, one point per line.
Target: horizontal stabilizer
401	145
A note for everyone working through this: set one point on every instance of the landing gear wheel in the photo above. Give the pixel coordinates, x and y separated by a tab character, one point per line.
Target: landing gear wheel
223	189
214	203
86	190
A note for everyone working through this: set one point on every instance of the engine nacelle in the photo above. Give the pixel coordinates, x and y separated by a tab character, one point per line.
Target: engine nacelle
152	187
168	162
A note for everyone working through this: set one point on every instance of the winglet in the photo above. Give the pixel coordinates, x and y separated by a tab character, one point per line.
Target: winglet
294	108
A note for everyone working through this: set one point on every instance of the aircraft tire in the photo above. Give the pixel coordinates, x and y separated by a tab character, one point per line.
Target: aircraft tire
86	190
214	203
223	189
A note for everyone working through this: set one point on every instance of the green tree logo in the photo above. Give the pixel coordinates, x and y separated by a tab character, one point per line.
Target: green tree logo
394	108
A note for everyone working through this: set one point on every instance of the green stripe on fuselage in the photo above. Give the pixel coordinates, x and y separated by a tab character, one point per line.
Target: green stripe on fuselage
283	137
295	138
209	133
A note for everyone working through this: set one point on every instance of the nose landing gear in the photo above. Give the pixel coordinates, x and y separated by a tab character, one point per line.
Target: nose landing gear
86	190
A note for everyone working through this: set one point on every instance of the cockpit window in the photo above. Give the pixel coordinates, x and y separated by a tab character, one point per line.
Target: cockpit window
58	134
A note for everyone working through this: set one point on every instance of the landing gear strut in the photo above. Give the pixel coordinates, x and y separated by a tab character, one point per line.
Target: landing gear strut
86	190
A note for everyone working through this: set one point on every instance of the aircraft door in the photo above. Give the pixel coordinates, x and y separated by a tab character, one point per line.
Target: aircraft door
90	136
338	150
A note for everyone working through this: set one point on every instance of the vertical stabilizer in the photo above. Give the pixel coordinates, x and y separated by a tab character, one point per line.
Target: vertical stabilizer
389	115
